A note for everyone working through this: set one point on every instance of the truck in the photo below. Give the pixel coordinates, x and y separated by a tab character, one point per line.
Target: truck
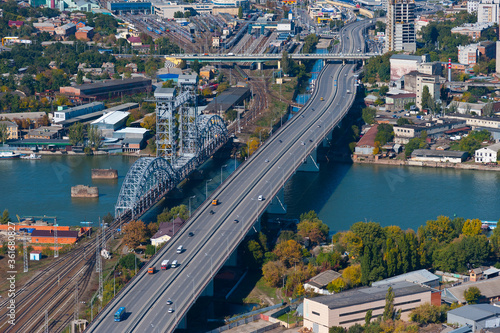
164	264
348	91
151	270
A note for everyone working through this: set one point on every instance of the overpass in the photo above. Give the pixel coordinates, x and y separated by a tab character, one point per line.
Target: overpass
466	85
210	239
229	57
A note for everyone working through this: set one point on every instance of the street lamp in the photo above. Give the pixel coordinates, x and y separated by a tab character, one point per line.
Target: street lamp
222	167
206	188
194	196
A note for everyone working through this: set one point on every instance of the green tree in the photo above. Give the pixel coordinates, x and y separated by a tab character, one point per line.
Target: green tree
79	77
196	66
383	90
426	97
5	217
403	121
495	241
94	136
168	215
336	285
389	305
428	314
472	295
368	317
128	261
76	135
368	115
384	134
240	12
4	134
313	228
336	329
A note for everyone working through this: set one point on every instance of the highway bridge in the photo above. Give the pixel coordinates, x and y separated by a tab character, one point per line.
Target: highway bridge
216	236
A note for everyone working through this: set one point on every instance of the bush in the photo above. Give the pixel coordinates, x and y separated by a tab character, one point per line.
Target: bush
128	261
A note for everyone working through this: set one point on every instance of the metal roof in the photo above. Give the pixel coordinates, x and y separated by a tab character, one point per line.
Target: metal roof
421	276
112	117
476	312
132	130
83	106
437	153
370	294
228	99
324	278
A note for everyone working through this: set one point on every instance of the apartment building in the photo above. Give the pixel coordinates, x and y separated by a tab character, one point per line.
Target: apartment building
400	31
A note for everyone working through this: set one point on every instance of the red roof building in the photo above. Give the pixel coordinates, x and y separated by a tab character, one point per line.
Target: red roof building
366	145
16	24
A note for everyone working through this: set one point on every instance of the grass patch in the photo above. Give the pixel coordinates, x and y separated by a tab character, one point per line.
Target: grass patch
290	317
254	289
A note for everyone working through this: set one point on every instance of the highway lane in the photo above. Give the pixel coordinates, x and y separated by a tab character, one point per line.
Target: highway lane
216	235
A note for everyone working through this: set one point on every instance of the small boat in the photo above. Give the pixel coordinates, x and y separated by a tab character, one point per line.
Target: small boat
4	155
31	156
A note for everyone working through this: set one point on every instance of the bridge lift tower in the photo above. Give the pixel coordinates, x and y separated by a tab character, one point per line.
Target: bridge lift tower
176	126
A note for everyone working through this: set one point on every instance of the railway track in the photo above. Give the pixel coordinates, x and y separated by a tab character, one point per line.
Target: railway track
52	291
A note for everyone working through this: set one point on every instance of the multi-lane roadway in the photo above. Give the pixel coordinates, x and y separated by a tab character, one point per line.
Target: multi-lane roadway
216	236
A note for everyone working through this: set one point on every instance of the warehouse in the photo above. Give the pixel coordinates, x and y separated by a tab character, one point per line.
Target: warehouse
47	236
108	89
80	110
231	98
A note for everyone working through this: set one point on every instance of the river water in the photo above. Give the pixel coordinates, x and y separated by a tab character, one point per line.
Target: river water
342	194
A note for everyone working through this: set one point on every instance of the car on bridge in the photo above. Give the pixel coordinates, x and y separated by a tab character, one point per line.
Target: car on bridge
215	202
321	99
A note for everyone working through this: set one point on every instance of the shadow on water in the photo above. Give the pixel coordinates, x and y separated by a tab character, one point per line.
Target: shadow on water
311	190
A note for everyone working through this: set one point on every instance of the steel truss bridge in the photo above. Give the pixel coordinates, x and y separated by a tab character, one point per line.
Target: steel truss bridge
184	141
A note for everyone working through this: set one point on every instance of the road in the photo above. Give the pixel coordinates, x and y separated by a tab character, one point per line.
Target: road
217	235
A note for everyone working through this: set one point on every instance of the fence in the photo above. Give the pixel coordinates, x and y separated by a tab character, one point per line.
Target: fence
272	307
235	324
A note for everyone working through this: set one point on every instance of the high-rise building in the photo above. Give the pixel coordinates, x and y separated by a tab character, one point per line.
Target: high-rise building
400	31
488	11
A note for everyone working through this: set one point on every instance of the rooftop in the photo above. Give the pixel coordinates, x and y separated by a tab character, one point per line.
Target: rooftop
407	57
495	147
489	288
168	228
421	276
112	117
369	294
132	130
369	138
109	83
476	312
83	106
50	233
324	278
437	153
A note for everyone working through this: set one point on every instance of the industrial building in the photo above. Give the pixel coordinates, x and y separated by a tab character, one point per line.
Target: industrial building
107	89
422	277
348	308
47	236
444	156
434	129
44	132
133	138
400	31
64	113
231	98
111	121
120	7
477	316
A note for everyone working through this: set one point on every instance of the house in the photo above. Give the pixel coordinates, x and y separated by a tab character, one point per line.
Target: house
44	132
12	129
134	41
366	145
80	25
477	316
36	255
430	155
473	30
434	129
398	101
84	33
206	72
66	29
132	66
348	308
108	67
487	154
422	277
166	231
319	282
490	290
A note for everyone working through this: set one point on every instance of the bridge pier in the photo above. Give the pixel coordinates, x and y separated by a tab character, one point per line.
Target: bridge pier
277	205
209	289
310	164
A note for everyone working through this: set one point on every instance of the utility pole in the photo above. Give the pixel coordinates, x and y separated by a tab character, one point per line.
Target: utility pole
25	251
76	315
46	322
56	248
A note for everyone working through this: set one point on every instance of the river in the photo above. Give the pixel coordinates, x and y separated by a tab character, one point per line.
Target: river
342	194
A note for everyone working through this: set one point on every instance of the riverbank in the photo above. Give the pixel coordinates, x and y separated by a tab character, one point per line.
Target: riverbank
385	161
